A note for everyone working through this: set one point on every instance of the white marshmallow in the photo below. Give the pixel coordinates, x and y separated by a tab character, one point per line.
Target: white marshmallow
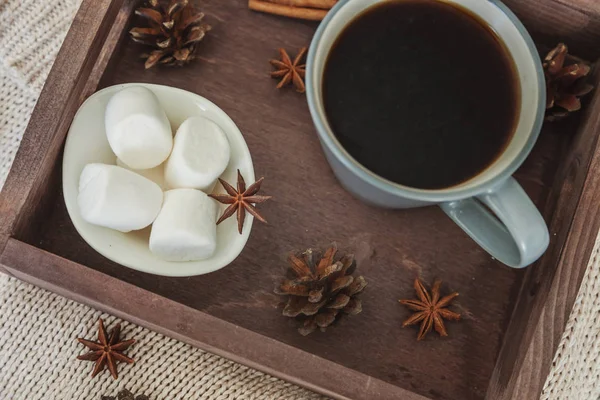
186	228
156	174
200	155
116	198
137	128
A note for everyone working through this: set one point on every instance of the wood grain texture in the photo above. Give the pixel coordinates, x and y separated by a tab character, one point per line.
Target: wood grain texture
309	209
285	149
186	324
551	286
37	158
116	35
575	22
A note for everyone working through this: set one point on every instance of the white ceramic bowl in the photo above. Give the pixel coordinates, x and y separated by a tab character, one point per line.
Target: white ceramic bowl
87	143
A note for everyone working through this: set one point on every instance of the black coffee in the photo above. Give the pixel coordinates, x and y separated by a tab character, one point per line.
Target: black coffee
421	92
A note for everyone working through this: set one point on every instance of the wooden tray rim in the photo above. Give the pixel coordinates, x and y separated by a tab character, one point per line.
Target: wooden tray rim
541	311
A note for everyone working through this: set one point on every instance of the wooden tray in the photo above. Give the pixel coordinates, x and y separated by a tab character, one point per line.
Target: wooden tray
513	319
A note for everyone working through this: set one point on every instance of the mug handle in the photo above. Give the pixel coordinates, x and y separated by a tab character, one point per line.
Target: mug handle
515	233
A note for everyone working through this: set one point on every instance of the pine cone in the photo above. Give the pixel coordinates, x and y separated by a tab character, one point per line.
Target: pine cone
174	31
125	395
319	291
565	84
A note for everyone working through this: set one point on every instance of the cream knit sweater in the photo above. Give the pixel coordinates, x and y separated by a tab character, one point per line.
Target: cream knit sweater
43	326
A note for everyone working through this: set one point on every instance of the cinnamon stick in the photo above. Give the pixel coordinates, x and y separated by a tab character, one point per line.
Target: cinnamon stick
324	4
312	14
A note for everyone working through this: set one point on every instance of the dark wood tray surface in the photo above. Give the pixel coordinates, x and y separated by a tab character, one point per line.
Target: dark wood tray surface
311	209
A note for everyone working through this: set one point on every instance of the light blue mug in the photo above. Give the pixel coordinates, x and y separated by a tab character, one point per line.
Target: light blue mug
514	232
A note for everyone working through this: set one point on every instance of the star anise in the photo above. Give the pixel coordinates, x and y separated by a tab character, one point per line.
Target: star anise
108	351
290	71
240	200
430	310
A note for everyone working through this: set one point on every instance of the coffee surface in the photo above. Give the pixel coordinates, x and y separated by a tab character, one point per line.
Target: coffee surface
421	93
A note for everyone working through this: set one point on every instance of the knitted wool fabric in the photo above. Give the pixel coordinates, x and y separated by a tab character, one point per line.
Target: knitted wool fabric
43	326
